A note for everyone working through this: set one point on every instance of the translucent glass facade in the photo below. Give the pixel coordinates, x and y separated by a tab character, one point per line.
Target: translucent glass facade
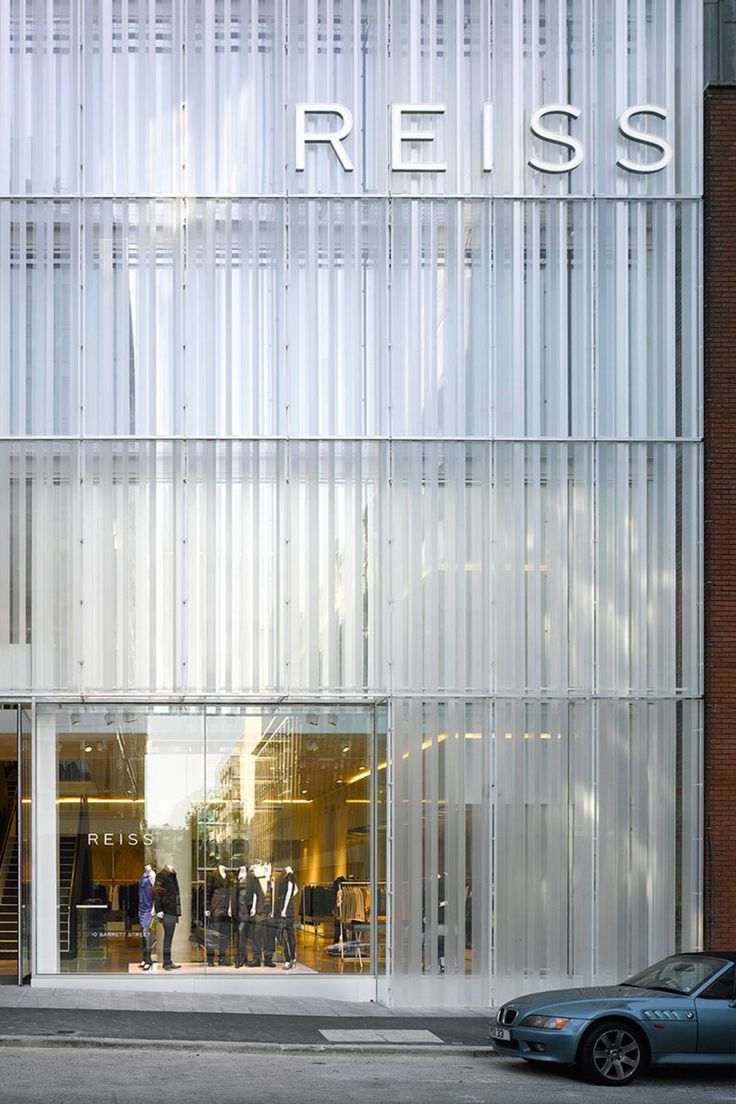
428	438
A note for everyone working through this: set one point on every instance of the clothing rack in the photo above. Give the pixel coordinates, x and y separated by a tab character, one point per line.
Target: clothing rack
350	883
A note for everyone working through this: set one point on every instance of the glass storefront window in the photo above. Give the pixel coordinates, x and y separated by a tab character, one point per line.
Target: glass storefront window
207	840
129	786
288	876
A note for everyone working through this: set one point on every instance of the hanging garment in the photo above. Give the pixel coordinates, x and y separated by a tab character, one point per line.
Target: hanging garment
350	904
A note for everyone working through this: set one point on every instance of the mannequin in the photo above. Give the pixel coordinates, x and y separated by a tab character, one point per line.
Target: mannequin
167	902
145	912
335	886
219	911
262	907
242	903
286	914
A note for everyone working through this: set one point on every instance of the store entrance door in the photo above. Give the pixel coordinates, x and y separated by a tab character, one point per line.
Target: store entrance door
9	850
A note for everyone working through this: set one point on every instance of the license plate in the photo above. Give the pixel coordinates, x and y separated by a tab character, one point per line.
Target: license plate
500	1033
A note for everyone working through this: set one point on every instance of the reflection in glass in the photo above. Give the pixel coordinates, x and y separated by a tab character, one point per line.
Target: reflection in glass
129	786
287	881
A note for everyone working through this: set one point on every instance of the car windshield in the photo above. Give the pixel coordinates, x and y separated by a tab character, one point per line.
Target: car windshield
677	974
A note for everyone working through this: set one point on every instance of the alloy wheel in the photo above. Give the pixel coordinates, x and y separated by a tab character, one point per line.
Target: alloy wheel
616	1054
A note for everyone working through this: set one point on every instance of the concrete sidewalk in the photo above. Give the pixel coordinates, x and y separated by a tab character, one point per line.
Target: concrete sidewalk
54	1017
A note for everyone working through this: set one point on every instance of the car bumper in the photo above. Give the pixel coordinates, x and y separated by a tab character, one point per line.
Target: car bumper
541	1045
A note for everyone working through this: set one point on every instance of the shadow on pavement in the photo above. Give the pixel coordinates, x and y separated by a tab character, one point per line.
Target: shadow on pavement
656	1076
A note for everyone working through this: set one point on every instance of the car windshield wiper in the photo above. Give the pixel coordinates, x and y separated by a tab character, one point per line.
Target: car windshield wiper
659	988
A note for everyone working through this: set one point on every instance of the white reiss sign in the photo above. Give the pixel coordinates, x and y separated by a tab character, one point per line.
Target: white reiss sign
335	136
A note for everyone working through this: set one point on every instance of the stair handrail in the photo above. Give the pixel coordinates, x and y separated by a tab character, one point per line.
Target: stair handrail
73	887
9	834
70	910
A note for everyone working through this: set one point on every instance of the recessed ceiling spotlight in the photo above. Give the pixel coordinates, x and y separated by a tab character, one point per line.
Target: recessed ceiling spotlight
129	718
312	745
87	747
345	748
332	719
74	718
109	718
312	718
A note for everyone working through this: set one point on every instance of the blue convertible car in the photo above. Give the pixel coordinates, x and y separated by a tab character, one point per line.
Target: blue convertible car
682	1010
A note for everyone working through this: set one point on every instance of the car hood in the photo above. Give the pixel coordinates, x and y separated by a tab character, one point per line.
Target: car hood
584	1002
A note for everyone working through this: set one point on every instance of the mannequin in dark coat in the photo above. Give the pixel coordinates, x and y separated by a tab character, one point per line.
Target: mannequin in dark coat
246	888
262	912
167	905
219	912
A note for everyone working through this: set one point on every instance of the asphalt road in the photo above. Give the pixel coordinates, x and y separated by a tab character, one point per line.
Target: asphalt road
30	1075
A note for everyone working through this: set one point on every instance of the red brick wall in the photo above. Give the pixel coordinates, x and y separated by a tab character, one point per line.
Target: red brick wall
720	516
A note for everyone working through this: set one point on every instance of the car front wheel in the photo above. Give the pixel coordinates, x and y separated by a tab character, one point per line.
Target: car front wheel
612	1053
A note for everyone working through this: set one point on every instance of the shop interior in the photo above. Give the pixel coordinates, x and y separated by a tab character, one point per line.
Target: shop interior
230	841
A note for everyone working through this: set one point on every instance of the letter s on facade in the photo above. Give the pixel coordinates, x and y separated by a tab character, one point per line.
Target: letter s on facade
661	144
573	144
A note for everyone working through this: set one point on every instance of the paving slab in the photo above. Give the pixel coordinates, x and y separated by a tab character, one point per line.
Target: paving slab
12	996
374	1035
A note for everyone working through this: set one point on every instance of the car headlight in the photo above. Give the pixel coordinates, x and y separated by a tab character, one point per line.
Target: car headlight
551	1023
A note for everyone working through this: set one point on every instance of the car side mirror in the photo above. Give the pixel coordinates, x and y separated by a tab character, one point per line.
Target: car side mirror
732	1004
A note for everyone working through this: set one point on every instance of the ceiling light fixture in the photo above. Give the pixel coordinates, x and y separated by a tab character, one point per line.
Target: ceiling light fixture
312	718
74	718
109	718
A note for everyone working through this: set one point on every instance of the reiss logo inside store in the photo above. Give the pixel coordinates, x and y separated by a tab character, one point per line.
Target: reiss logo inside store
121	839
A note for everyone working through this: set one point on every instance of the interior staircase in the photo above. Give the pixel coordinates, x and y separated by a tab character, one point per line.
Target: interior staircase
9	871
67	855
